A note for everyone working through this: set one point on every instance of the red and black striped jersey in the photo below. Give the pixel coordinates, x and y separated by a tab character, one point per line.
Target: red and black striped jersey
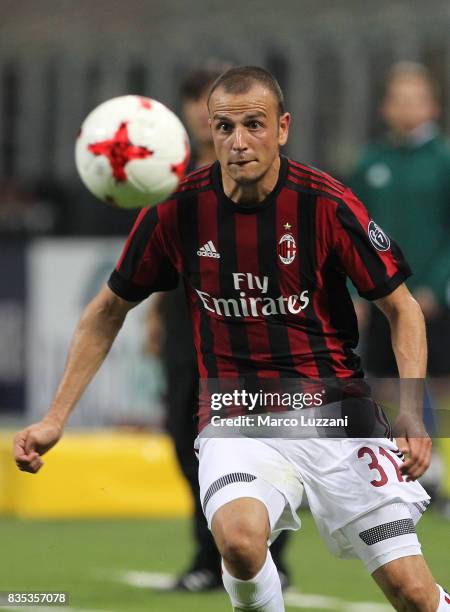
265	284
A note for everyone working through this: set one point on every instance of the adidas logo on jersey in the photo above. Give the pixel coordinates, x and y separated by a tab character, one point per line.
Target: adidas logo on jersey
208	250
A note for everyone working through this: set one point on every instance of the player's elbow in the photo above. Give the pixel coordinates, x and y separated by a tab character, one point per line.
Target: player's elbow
411	308
401	305
105	311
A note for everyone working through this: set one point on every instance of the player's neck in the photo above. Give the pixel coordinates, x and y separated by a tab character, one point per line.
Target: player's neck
252	193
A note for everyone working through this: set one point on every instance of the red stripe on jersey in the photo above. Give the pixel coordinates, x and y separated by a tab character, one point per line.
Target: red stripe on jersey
287	215
327	218
137	223
311	183
247	259
318	174
194	177
196	173
194	185
144	274
210	272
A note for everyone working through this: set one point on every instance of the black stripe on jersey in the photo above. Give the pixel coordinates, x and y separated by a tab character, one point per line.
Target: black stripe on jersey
187	219
403	266
374	265
341	311
307	262
228	263
121	281
138	244
277	329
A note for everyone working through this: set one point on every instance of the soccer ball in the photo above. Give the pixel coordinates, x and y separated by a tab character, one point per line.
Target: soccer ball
132	152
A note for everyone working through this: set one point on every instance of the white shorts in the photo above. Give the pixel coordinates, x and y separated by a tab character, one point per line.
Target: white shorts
345	480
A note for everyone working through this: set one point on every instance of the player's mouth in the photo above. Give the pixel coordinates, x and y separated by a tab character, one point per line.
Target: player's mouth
242	162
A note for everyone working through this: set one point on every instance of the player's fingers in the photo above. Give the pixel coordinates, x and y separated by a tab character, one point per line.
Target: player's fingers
422	462
30	466
30	443
19	445
23	461
418	459
402	445
36	465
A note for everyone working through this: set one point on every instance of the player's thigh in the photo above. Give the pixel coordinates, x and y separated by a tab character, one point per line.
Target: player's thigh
408	579
383	535
234	468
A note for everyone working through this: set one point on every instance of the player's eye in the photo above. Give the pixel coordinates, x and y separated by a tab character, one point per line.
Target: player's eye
254	125
222	126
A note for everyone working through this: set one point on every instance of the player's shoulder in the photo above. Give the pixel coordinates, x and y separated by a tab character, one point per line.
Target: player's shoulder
306	178
192	184
196	181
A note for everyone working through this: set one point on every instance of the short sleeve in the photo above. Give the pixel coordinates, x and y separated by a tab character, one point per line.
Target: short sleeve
371	258
143	266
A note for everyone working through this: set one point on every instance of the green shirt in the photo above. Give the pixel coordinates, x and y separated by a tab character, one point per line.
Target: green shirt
406	189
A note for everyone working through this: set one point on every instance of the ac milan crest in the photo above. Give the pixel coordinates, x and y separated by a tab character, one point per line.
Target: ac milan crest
287	248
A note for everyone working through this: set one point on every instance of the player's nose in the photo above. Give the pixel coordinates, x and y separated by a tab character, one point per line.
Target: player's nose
239	142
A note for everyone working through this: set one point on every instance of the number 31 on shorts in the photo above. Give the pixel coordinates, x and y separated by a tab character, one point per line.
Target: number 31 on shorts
376	465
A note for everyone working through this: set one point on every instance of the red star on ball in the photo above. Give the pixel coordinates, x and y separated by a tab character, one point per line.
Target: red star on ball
180	169
119	151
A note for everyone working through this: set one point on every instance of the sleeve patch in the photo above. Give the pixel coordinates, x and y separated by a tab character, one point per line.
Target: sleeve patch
379	239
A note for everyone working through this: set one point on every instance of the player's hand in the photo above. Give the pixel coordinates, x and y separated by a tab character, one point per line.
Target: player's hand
33	442
415	443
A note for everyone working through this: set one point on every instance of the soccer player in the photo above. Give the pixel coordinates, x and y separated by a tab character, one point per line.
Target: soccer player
264	245
168	318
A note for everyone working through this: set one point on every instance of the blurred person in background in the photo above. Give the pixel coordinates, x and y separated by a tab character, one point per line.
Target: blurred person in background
28	209
404	180
169	335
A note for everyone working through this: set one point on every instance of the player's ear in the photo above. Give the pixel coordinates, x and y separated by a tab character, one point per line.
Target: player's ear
284	122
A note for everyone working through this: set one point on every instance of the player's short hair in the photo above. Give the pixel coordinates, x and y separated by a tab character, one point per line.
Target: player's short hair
414	70
241	79
197	81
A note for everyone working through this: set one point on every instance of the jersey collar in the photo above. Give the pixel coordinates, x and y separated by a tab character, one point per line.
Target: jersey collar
216	176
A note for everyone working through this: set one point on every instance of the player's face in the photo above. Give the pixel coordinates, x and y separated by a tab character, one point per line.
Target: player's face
247	132
196	118
408	104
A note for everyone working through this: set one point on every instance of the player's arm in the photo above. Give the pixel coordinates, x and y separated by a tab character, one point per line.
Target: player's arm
94	335
408	338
